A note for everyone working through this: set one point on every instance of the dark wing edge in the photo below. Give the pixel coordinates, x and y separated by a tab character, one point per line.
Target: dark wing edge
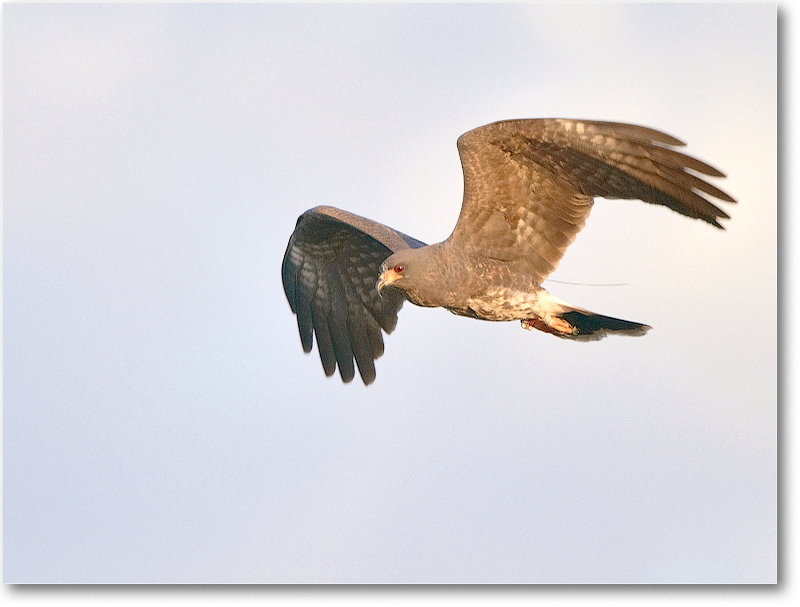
329	273
615	160
658	174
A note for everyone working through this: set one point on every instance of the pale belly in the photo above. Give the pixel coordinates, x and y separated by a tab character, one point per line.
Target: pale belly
507	304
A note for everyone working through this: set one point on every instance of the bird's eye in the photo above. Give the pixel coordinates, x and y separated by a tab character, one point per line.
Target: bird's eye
399	269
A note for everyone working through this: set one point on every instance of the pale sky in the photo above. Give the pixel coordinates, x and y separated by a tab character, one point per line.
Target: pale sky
161	422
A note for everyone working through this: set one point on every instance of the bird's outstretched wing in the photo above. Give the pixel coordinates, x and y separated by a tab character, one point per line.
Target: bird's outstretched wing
329	273
529	184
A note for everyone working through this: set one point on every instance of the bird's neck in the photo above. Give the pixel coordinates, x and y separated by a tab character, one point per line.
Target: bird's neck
443	284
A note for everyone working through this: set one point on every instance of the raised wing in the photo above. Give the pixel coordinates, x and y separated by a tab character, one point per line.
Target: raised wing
529	184
329	273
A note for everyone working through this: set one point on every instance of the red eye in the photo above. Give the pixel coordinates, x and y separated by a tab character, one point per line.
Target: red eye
399	269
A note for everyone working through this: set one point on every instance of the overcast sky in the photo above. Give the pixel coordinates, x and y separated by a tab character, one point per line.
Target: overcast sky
161	422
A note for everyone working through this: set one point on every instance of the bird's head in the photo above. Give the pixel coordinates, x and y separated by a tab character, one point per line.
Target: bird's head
415	272
395	270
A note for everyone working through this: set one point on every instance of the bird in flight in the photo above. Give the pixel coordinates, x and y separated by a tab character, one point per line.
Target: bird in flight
528	188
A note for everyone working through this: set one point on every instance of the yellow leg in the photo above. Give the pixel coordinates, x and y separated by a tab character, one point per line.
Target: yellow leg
549	324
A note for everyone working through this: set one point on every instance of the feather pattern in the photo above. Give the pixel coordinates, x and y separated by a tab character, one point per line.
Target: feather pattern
329	272
537	179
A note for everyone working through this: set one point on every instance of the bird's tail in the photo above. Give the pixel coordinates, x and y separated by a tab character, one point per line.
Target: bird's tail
562	320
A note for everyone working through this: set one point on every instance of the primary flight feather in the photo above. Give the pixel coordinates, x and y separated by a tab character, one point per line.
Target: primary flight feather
528	188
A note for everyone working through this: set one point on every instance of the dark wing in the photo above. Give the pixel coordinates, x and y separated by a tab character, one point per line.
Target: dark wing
329	273
529	184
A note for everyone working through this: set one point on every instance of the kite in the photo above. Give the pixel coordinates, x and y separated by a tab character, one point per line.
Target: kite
528	188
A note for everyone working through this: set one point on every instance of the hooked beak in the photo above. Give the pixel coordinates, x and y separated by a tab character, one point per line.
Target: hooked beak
386	278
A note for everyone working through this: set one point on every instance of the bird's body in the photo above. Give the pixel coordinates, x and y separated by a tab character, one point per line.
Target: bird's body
473	286
529	186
